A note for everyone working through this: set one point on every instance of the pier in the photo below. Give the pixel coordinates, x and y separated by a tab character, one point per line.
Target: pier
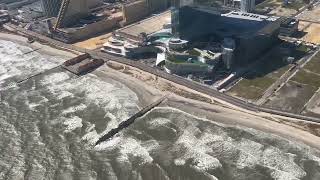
82	64
79	65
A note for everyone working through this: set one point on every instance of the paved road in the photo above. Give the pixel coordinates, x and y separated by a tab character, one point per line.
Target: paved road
310	21
173	78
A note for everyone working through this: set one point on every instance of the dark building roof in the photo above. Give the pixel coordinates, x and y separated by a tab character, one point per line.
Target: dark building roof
195	22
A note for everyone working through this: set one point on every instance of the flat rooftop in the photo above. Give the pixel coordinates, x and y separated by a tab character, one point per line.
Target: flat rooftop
148	26
250	16
195	22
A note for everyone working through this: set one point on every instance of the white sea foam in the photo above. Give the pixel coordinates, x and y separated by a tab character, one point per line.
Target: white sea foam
280	175
14	62
110	144
158	122
72	123
64	94
74	109
112	123
91	137
275	159
197	151
32	106
110	97
249	154
55	78
128	148
3	70
116	99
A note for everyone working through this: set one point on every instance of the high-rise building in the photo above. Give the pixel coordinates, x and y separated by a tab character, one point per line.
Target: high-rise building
157	5
247	5
51	7
71	11
176	5
181	3
252	33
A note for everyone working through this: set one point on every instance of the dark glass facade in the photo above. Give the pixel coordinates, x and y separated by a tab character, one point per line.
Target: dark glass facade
195	23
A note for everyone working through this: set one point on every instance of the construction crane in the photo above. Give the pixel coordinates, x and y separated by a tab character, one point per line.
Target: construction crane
62	13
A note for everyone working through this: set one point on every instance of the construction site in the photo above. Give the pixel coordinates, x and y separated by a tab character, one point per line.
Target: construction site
74	20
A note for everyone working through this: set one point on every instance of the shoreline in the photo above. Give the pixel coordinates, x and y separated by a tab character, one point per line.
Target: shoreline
144	93
46	49
229	117
214	112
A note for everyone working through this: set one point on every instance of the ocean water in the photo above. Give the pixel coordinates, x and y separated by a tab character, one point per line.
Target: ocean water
48	126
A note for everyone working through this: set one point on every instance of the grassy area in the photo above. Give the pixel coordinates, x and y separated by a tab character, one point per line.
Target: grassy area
176	60
292	97
184	61
251	89
194	52
299	89
305	77
314	64
265	73
303	48
258	81
279	72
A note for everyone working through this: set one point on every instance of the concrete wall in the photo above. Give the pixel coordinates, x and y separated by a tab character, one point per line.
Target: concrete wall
135	11
91	29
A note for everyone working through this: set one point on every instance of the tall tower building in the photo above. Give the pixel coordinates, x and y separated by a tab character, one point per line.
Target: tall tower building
71	11
176	5
51	7
247	5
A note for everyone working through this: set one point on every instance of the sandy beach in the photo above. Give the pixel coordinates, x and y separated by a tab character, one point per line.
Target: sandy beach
148	93
52	121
